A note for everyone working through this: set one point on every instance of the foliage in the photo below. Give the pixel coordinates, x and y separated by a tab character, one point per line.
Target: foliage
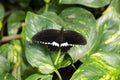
97	20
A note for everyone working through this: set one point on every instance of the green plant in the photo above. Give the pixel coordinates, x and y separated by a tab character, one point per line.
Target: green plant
98	21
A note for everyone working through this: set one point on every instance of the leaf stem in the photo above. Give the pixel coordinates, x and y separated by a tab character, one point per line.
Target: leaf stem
46	8
46	5
58	74
9	38
56	62
58	56
73	66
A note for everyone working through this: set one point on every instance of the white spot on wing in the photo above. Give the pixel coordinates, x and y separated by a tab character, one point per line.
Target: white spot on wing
55	44
48	43
64	44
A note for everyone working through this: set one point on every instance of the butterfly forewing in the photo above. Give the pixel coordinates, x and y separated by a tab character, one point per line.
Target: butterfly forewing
46	36
74	38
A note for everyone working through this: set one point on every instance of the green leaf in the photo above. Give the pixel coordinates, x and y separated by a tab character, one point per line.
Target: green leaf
110	41
17	45
89	3
103	64
115	6
36	23
38	57
54	17
108	36
82	21
109	30
17	16
66	61
5	50
4	65
2	12
39	76
13	53
33	25
57	58
42	59
14	22
100	66
16	58
7	77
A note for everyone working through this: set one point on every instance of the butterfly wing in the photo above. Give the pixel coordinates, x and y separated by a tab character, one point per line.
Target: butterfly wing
71	38
74	38
65	49
54	40
46	36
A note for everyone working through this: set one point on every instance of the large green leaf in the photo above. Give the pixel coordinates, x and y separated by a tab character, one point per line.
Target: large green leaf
82	21
36	23
45	61
72	20
89	3
41	22
100	66
57	19
108	38
63	60
103	63
37	55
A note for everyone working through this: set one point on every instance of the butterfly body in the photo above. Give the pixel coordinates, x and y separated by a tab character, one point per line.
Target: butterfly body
59	39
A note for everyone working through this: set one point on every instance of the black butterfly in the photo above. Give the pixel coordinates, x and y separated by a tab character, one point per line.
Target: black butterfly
59	39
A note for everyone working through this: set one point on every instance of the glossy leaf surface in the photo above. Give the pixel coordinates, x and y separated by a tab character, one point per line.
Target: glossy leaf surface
42	56
82	21
89	3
